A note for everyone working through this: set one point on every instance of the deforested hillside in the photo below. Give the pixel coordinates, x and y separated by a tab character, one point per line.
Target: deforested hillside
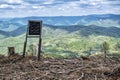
82	68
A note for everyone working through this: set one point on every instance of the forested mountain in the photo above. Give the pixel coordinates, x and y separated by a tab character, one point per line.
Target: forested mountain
64	34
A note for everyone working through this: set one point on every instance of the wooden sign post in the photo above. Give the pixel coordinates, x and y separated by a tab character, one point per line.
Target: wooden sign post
34	29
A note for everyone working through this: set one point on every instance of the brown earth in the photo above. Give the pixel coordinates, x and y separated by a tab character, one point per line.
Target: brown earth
84	68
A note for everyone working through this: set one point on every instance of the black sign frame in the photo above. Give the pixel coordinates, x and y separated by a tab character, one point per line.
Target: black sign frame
34	28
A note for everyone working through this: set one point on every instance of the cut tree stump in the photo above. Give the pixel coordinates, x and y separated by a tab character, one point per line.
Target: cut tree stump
11	51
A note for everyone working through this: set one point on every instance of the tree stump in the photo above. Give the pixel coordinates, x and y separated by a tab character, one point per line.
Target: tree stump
11	51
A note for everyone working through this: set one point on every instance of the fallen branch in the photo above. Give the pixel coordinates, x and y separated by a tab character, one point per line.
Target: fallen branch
95	77
30	61
81	77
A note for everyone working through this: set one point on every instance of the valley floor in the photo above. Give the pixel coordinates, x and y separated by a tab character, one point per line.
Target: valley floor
83	68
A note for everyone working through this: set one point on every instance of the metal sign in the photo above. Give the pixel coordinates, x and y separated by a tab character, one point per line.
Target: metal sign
34	27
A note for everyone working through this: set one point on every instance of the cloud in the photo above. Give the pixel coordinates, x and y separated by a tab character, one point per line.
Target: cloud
6	6
58	7
3	5
11	1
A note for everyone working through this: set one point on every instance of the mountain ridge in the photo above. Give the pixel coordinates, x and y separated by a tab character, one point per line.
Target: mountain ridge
97	24
66	20
83	30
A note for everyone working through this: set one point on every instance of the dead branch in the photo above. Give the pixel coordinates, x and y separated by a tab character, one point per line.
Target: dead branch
30	61
81	77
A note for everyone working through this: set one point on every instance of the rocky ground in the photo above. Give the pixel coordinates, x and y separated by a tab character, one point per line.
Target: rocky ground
83	68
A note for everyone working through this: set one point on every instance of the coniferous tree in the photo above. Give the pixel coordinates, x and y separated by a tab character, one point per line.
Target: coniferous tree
105	48
117	46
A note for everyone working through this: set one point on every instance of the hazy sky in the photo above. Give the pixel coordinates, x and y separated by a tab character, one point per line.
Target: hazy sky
22	8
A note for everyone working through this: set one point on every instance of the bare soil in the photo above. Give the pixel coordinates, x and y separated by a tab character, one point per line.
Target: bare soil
83	68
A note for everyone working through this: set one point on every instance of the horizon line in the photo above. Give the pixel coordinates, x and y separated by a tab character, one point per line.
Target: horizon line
58	16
